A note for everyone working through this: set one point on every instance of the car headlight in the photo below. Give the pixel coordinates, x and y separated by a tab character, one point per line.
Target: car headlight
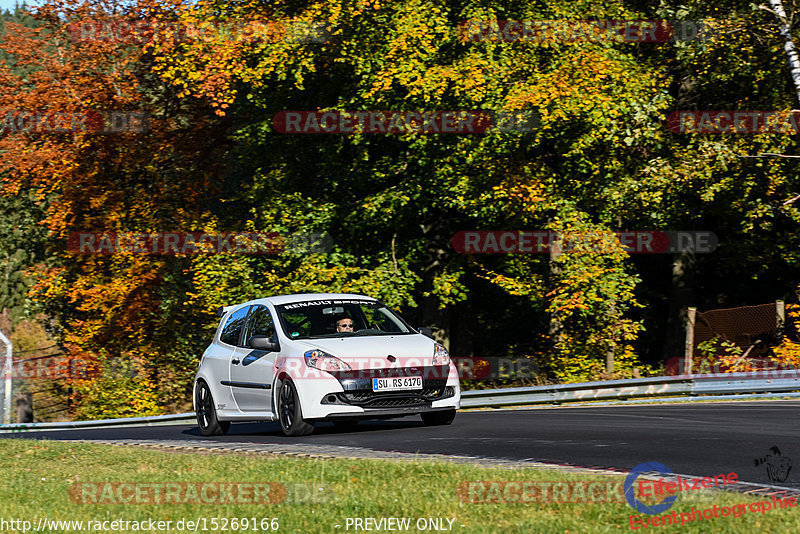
323	361
440	355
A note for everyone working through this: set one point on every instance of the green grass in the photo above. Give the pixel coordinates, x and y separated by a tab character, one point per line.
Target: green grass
322	493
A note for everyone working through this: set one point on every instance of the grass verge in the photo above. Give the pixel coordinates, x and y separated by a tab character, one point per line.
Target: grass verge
319	495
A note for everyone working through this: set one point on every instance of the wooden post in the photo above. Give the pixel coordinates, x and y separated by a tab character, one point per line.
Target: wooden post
24	408
780	315
688	350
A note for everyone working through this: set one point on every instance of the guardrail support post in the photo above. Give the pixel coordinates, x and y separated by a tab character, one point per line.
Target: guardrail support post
7	368
688	350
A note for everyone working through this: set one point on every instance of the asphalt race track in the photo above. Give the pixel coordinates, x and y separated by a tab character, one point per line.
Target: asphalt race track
702	439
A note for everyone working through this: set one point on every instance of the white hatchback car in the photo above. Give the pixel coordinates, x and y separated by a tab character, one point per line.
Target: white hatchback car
292	358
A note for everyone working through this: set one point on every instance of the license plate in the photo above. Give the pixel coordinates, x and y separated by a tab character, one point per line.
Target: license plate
402	383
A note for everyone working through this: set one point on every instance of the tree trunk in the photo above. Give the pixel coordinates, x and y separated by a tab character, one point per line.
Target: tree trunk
681	297
433	317
555	242
788	44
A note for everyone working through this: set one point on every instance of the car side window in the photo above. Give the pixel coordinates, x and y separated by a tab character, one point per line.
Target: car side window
260	323
233	326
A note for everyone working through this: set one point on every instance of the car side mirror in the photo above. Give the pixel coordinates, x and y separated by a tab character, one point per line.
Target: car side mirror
262	343
425	331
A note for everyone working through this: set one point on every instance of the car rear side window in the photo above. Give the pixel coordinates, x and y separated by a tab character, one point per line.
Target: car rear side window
233	326
260	324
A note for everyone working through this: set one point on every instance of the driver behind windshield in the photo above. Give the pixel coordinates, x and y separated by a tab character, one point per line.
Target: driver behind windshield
345	324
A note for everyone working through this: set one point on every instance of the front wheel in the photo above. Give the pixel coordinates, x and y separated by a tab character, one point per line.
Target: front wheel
289	412
444	417
207	414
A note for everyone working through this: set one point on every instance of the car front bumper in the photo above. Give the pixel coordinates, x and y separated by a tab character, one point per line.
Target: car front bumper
350	394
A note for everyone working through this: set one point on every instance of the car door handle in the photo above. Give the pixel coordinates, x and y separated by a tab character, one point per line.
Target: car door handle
235	361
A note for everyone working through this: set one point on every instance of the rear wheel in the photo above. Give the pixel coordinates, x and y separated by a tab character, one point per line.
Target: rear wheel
444	417
289	412
207	414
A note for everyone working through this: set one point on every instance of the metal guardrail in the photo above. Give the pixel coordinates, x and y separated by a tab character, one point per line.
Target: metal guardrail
154	420
693	386
685	385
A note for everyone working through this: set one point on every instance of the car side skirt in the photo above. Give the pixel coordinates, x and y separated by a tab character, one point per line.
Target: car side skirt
236	415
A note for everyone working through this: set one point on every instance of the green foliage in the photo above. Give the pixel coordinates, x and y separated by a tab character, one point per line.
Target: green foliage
592	293
22	245
448	288
117	387
19	15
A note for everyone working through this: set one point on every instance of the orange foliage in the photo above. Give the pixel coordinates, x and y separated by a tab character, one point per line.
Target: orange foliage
89	180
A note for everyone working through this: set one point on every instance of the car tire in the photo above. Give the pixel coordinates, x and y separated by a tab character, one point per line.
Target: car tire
207	413
290	413
444	417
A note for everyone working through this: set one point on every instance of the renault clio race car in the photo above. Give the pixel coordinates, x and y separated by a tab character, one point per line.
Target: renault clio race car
299	359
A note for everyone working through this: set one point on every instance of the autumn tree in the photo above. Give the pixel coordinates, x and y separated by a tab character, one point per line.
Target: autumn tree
118	310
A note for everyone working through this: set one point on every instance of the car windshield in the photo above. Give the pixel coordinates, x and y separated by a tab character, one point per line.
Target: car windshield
334	317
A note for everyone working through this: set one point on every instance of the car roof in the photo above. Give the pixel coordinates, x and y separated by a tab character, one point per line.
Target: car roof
304	297
277	300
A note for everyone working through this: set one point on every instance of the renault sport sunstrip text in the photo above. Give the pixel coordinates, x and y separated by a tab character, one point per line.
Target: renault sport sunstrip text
334	357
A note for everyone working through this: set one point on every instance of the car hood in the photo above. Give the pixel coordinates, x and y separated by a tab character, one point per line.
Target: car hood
372	351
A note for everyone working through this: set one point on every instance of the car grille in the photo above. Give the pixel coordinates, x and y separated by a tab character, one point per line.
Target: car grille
369	399
357	386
